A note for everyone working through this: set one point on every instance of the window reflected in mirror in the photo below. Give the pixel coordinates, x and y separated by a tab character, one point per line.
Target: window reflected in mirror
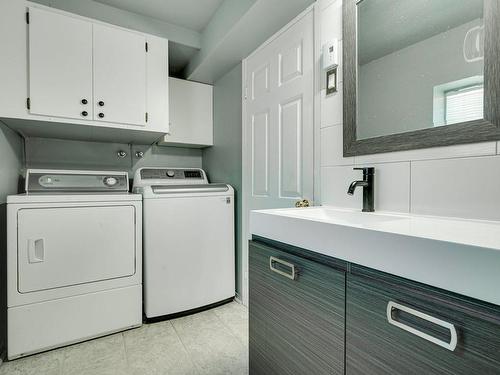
420	65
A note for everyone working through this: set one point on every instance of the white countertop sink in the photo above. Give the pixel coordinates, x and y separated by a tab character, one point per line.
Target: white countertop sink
458	255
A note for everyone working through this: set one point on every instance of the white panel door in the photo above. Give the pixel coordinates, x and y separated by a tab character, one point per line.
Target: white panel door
119	76
60	65
59	247
278	122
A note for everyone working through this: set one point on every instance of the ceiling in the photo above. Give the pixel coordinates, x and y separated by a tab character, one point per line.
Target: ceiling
385	26
191	14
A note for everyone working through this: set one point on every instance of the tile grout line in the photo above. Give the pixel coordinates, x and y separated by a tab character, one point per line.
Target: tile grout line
230	330
195	366
125	351
409	188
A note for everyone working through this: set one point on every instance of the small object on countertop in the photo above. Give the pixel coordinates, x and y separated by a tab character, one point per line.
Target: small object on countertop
302	203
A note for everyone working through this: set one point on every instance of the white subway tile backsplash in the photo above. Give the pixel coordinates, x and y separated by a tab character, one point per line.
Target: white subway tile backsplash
331	147
334	184
467	188
331	21
461	180
331	108
458	151
392	187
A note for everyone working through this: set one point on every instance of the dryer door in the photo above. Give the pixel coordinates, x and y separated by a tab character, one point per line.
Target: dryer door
59	247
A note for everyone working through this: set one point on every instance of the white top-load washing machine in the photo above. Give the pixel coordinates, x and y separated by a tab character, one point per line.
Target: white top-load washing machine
74	259
189	259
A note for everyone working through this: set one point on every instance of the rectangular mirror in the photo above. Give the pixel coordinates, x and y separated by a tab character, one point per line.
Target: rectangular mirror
420	73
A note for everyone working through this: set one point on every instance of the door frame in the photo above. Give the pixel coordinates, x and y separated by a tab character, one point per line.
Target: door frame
316	125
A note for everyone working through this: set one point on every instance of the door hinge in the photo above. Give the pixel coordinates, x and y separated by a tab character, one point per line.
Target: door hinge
28	103
246	92
146	117
147	47
28	18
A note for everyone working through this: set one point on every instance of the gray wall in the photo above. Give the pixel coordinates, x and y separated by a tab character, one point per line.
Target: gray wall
222	162
396	91
11	161
64	154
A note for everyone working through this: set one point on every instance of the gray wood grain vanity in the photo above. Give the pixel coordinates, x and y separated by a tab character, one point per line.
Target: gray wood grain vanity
314	314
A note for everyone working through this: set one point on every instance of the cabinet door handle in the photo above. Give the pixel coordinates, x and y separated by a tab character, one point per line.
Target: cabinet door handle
292	275
101	103
84	101
85	113
453	332
101	115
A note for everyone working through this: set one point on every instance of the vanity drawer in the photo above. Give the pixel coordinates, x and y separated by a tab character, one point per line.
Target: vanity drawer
396	326
296	309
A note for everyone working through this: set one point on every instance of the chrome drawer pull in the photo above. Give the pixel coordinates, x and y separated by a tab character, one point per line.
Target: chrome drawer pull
292	275
453	332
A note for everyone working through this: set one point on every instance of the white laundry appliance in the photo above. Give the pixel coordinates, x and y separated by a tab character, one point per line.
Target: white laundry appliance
74	259
189	260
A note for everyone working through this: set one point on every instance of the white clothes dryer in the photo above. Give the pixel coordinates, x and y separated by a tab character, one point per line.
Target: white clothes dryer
74	259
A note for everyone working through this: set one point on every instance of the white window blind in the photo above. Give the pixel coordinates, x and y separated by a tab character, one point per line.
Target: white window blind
464	104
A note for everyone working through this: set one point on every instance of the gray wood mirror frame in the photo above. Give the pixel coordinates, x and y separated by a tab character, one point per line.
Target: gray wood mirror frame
481	130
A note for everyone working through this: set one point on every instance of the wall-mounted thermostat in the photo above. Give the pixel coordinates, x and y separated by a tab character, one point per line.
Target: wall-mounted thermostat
330	54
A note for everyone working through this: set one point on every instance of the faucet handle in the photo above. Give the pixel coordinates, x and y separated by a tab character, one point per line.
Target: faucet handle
366	170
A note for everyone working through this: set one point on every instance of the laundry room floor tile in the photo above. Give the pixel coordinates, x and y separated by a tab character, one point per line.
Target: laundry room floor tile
156	349
103	356
49	363
211	342
235	317
213	347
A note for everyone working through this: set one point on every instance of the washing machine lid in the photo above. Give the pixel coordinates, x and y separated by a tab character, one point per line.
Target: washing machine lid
178	191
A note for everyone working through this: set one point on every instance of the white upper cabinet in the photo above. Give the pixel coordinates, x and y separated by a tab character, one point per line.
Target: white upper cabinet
191	114
60	68
71	77
119	76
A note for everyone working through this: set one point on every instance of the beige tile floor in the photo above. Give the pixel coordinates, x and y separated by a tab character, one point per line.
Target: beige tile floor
210	343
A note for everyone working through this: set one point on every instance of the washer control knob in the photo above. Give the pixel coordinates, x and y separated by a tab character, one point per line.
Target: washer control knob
110	181
170	173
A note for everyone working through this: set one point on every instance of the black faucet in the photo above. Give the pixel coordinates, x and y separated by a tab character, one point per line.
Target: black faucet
368	188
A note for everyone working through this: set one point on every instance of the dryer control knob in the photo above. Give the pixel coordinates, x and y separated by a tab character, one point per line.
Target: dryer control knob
170	173
110	181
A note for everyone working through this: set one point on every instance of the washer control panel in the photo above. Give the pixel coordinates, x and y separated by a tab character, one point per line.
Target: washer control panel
49	181
169	176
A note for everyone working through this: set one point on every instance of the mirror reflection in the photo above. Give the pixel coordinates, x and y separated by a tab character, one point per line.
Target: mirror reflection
420	64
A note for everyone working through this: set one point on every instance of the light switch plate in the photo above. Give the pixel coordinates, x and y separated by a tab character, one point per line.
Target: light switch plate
331	81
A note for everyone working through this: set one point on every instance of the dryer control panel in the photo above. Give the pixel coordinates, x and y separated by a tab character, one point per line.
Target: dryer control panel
58	181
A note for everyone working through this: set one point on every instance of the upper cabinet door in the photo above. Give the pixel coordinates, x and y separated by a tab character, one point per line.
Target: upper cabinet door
191	113
119	76
60	65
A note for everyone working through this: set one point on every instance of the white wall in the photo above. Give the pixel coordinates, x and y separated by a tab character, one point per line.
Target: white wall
461	181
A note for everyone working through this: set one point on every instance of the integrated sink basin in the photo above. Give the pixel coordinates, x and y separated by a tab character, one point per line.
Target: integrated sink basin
339	216
458	255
